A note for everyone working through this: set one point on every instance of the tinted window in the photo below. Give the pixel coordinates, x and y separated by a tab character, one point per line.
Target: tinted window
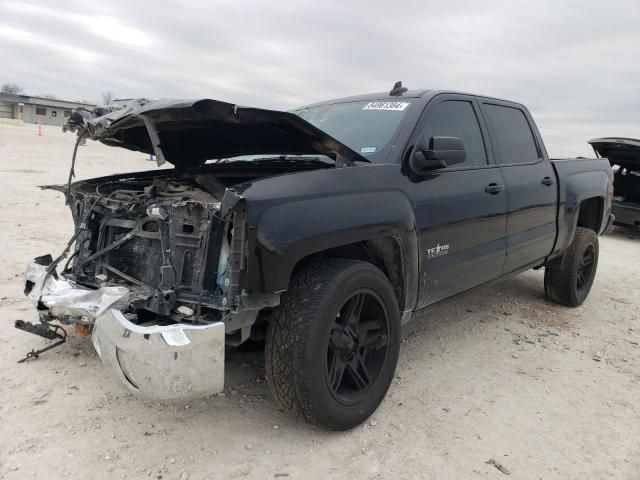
513	135
457	119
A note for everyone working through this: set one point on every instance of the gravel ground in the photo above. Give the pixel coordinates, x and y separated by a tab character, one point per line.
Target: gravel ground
497	382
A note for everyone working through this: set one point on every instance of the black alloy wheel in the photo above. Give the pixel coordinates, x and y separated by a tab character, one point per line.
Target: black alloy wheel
568	279
332	345
357	347
585	268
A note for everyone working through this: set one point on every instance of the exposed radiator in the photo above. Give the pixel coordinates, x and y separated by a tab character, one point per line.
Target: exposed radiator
140	258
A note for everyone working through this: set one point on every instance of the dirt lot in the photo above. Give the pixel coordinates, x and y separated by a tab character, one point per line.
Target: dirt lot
545	391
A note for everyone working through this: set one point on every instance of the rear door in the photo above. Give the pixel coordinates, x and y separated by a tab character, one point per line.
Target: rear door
531	189
460	210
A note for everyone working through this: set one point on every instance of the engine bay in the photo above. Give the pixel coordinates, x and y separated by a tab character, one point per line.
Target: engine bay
160	237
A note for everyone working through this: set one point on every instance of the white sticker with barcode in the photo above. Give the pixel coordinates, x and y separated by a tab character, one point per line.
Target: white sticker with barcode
393	106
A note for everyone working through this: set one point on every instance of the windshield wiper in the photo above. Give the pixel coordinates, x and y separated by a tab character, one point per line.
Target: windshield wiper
280	158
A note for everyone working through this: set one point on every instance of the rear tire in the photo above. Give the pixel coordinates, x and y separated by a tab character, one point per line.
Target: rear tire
570	282
332	346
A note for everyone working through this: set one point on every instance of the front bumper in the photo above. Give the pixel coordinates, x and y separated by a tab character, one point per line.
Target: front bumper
162	363
165	363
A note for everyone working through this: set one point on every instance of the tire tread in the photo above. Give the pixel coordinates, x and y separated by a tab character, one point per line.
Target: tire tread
559	285
288	338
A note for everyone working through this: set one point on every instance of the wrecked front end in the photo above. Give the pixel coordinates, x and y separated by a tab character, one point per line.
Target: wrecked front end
160	268
151	277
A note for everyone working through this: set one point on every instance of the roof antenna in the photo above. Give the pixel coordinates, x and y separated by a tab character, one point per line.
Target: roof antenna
397	89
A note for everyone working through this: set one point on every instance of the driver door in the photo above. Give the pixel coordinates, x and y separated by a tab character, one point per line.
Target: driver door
460	210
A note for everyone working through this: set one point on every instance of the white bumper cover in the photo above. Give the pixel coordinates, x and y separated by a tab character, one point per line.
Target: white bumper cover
163	363
66	299
175	362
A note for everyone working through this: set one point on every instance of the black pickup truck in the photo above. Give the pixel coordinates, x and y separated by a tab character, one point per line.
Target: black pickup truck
321	230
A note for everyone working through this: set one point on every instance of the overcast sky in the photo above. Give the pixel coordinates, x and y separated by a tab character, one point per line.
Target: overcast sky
575	64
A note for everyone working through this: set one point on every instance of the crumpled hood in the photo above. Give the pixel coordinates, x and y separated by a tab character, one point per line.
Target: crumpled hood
186	133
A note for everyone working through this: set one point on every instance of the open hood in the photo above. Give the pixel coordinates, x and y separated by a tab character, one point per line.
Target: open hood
619	151
186	133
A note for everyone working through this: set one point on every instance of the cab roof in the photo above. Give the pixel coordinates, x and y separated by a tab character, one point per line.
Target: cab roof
382	96
423	94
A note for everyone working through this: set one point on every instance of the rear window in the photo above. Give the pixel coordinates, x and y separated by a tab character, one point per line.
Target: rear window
366	127
513	134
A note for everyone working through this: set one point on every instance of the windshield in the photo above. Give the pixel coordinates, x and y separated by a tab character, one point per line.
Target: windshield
366	127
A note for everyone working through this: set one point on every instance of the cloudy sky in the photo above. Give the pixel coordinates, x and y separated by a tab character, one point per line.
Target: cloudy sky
575	64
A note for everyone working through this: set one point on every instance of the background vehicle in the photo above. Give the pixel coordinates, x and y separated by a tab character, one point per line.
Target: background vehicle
624	156
322	229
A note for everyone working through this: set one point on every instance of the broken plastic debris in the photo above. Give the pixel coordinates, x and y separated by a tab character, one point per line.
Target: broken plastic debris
184	310
66	299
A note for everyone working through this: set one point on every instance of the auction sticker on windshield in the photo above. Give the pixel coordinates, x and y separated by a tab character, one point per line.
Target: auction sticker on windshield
393	106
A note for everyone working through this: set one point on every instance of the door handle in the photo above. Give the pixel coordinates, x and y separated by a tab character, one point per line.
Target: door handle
494	188
548	181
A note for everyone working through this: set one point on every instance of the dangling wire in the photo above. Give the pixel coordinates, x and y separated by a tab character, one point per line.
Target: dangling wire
51	268
72	172
82	222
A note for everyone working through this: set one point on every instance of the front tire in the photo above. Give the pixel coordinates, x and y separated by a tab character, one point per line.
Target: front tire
570	283
332	346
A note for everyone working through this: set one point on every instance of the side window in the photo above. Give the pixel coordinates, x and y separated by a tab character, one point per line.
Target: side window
456	118
513	134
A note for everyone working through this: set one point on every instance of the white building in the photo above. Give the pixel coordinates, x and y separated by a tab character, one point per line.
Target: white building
46	111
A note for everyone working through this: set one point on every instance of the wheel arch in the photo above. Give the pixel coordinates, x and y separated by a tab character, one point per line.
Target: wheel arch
591	214
385	253
588	213
378	227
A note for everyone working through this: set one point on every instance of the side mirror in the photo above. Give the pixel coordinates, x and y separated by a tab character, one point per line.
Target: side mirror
442	152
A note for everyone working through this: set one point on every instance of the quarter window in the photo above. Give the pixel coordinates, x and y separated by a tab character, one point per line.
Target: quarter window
513	134
456	118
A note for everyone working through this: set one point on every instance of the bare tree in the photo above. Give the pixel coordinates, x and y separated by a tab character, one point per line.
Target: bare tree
11	88
107	97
